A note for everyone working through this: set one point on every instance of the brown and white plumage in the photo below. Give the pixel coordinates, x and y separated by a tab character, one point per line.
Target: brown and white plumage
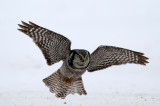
54	46
62	86
106	56
68	78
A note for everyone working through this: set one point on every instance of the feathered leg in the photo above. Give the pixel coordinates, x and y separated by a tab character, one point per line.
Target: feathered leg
63	86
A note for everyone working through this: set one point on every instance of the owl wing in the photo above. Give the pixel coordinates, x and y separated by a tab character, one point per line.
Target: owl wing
55	47
106	56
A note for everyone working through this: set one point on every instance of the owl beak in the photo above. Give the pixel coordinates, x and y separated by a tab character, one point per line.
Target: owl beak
84	60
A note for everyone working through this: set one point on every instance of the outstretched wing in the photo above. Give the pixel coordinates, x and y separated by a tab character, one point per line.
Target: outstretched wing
54	46
105	56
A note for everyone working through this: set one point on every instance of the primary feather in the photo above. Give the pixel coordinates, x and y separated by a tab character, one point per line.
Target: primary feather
54	46
106	56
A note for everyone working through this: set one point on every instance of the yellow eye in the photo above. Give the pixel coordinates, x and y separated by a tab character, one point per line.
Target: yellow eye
79	57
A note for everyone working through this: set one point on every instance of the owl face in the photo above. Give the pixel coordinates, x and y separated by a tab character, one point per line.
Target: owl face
79	59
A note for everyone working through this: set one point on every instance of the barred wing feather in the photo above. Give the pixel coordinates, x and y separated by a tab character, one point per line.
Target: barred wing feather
55	47
106	56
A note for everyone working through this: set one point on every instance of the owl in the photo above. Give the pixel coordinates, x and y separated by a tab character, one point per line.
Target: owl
68	78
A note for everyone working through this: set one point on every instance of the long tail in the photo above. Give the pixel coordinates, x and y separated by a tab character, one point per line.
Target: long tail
62	86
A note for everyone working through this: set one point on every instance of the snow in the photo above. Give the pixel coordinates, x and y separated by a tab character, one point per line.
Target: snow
129	24
37	98
110	87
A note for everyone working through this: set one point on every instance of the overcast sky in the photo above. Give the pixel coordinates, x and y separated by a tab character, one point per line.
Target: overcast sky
132	24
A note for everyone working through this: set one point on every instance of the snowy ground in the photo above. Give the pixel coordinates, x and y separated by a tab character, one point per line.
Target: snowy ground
105	88
37	98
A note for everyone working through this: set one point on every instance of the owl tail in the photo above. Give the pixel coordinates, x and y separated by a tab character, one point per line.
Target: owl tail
62	86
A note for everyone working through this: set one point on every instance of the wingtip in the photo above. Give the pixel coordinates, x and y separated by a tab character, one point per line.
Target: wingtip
19	25
21	30
143	60
22	26
22	22
30	22
33	24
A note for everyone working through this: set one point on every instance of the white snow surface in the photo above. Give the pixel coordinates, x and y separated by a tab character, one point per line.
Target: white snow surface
109	87
129	24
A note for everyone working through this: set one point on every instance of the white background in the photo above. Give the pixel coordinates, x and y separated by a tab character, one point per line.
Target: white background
132	24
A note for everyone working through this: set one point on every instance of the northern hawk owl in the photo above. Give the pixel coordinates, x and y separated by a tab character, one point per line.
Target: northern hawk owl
68	78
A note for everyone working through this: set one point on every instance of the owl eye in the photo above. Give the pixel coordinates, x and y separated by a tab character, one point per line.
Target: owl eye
86	57
79	57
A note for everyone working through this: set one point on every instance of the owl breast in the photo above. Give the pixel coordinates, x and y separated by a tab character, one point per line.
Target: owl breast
67	71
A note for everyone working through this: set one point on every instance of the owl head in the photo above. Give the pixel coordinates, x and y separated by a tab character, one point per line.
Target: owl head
79	59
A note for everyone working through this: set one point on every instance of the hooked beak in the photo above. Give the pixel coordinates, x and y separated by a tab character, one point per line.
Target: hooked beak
84	60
